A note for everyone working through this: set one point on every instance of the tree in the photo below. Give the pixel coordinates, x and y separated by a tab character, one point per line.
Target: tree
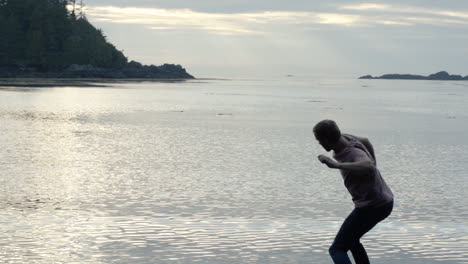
10	35
46	35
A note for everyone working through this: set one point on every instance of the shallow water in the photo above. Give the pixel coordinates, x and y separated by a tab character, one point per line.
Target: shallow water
215	171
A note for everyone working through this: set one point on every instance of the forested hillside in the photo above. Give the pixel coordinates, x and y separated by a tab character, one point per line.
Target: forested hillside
45	34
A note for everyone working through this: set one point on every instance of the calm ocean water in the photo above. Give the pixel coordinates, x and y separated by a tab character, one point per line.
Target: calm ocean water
225	171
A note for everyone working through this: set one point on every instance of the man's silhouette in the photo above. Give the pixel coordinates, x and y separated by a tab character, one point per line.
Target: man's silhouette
373	199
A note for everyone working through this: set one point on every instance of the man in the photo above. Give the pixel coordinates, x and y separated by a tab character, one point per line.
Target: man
373	199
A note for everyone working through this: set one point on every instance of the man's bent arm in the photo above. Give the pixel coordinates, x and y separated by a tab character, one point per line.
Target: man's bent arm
362	164
358	166
369	147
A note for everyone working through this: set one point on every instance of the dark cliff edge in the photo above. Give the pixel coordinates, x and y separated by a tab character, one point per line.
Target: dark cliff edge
54	39
440	76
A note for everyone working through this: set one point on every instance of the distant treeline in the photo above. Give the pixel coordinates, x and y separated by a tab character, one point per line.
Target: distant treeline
439	76
44	34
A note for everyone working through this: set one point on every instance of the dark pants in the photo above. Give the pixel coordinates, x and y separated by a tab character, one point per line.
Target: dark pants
359	222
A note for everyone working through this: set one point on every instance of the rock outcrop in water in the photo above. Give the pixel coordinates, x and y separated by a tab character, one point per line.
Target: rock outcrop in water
440	76
48	39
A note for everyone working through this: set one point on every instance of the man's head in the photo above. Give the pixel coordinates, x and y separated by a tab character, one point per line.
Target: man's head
327	133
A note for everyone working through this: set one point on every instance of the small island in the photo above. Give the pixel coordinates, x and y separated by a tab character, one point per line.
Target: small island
53	39
440	76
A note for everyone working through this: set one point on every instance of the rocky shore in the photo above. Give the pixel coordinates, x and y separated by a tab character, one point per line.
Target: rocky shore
133	70
440	76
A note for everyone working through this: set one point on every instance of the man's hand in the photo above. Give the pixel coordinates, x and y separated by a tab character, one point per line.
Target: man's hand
331	163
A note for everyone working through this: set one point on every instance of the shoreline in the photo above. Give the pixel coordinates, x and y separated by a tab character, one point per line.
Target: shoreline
37	82
133	70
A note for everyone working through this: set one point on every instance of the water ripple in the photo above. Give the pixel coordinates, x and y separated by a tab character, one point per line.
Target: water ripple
116	176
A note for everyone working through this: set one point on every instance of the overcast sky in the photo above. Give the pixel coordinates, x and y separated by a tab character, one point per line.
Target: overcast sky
246	38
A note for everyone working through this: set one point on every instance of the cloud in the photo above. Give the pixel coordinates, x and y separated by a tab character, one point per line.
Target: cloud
173	19
217	23
395	23
360	15
367	6
408	15
339	19
390	9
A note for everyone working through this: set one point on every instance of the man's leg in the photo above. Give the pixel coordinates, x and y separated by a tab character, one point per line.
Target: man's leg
359	254
370	218
358	223
345	239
